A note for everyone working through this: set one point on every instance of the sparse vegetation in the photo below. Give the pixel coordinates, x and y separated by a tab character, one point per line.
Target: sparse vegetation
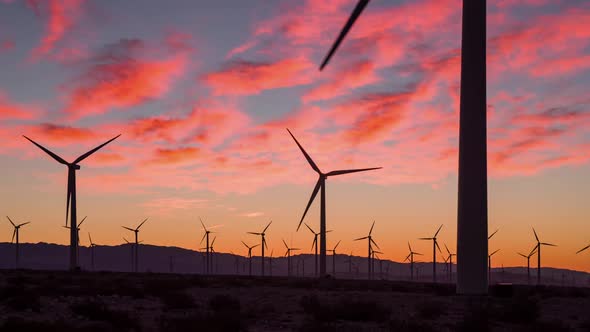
344	309
430	309
96	310
60	301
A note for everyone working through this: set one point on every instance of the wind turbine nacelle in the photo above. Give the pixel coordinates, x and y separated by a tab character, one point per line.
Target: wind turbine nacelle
76	166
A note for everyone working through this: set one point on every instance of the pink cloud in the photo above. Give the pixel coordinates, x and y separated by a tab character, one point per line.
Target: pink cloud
120	78
62	14
252	77
356	75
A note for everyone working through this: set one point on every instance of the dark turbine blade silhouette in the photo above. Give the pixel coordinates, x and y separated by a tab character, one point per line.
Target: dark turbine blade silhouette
472	202
71	195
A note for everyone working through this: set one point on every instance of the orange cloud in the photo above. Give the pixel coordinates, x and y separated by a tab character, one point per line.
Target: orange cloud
55	132
175	156
249	77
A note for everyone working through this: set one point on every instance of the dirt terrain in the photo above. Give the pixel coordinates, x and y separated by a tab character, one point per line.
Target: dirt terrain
60	301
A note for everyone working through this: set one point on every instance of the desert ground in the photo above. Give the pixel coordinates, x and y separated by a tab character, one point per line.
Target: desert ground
108	301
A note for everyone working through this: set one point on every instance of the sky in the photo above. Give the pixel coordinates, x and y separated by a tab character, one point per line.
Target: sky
202	93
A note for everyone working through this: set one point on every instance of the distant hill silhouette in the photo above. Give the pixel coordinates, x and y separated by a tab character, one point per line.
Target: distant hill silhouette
47	256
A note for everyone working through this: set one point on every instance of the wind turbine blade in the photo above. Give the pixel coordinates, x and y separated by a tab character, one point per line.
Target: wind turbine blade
13	235
264	242
126	240
295	249
536	237
375	243
336	246
311	230
254	246
409	247
89	238
548	244
522	255
253	233
417	253
87	154
265	228
313	194
435	234
309	160
437	247
346	171
534	250
10	221
81	222
314	243
245	245
361	238
53	155
205	228
28	222
203	238
407	257
496	231
371	230
142	223
131	229
425	238
212	242
586	247
353	17
447	248
494	252
286	246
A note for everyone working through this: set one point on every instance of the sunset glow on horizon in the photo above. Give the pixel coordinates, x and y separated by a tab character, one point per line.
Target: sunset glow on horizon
203	93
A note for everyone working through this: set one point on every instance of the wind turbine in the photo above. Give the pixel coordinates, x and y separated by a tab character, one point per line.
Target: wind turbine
490	266
92	245
207	246
411	258
288	254
136	245
472	215
315	245
77	235
15	234
370	242
321	184
263	243
131	253
250	256
538	246
528	263
450	262
334	259
71	195
349	261
212	251
434	247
